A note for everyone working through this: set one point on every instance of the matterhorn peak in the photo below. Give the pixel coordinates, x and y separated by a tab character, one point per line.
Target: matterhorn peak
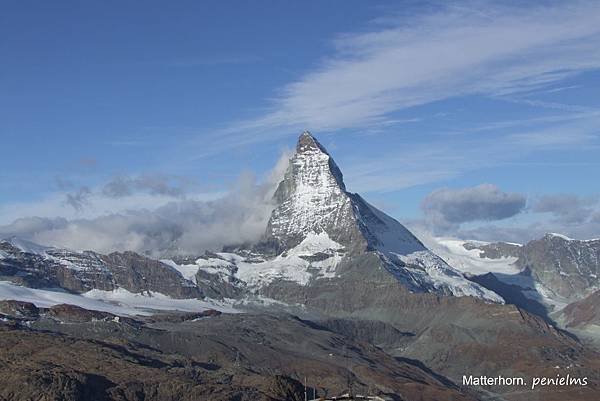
313	208
308	143
311	197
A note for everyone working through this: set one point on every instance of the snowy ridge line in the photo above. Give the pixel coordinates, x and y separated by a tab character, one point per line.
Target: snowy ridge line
315	257
562	236
469	261
441	276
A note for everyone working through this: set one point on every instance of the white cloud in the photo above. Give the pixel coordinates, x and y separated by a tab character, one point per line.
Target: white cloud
150	222
487	49
92	205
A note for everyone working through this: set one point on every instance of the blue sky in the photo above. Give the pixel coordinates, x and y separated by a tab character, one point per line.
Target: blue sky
187	100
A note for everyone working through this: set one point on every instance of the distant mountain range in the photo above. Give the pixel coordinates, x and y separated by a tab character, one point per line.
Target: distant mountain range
555	276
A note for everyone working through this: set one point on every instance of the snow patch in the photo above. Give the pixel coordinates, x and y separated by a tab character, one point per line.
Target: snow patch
564	237
470	260
561	236
152	301
435	272
296	264
119	302
188	272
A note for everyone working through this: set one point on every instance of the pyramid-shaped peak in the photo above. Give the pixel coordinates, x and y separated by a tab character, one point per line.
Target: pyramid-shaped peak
308	143
314	213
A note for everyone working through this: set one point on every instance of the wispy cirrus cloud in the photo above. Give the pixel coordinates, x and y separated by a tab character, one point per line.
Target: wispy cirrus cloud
155	184
441	158
484	49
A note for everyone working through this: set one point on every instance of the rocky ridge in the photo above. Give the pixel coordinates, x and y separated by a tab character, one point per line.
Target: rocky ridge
36	266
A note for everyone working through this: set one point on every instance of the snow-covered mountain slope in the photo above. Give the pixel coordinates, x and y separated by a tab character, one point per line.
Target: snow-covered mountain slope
317	223
473	257
311	198
316	256
554	270
119	301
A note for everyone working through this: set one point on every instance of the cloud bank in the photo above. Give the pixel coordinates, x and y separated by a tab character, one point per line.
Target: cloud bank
181	226
567	208
477	213
448	208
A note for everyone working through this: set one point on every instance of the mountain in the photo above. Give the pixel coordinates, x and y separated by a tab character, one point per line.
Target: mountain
555	277
36	266
554	270
319	231
328	255
353	275
569	268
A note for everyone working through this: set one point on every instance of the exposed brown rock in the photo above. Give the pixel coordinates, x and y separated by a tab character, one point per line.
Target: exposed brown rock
228	358
584	312
18	309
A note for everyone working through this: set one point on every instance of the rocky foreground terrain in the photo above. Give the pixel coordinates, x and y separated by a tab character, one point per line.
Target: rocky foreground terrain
68	353
336	292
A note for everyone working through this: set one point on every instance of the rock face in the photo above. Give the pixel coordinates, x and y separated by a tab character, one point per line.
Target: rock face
569	268
312	198
43	267
224	357
19	309
583	313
